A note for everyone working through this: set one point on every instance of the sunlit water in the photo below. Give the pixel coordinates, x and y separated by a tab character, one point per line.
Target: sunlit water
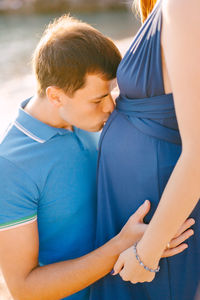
20	34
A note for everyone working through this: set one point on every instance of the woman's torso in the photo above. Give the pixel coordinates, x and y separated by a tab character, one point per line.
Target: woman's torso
139	148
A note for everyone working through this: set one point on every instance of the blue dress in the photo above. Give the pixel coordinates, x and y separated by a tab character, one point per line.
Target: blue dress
139	147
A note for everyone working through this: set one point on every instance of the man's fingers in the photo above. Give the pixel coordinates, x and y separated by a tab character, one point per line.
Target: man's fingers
181	238
118	266
142	211
175	251
187	224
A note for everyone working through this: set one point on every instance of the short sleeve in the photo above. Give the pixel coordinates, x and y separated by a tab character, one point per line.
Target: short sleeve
18	196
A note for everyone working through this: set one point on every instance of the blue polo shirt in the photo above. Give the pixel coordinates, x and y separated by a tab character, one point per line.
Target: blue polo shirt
49	174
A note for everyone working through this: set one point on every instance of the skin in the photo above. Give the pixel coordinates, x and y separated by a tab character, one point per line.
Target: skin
181	72
88	109
26	280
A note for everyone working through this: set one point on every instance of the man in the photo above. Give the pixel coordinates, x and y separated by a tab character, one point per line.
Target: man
48	163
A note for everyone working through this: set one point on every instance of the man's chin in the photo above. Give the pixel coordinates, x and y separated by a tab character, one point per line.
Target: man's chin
97	128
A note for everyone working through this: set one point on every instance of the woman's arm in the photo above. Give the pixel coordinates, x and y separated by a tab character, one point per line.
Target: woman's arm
181	45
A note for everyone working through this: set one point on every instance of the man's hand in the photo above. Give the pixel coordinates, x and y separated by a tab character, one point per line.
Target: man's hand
27	280
127	265
134	228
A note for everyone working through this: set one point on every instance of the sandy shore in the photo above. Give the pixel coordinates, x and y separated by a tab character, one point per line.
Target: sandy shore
12	93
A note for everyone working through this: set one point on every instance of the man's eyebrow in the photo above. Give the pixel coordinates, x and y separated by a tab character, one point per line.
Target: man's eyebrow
100	97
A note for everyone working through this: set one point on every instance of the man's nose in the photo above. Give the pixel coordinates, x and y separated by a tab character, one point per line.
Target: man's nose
108	105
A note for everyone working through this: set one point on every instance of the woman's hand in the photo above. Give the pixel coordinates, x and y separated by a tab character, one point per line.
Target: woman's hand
129	268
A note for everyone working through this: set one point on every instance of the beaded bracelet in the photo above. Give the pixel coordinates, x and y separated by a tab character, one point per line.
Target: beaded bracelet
141	263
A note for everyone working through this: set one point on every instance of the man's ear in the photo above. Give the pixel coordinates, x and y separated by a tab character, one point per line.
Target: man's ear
54	96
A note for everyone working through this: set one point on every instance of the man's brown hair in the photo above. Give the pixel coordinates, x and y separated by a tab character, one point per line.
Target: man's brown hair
68	50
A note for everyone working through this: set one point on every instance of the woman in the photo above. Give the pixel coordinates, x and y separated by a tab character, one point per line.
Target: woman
143	155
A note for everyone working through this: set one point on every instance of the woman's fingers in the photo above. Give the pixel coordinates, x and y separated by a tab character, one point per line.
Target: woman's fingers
187	224
175	251
181	238
176	245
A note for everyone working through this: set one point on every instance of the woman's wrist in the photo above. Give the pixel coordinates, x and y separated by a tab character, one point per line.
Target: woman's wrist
147	268
148	255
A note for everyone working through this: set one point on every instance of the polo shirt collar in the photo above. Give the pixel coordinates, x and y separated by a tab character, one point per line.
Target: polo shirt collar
34	128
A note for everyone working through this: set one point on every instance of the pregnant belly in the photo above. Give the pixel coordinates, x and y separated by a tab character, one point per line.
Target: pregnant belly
133	167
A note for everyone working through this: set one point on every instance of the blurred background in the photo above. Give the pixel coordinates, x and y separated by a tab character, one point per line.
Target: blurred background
21	25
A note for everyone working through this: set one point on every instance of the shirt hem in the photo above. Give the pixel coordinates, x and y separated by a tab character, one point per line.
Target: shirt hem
18	222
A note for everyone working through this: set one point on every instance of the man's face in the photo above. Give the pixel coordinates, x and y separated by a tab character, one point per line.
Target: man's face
90	106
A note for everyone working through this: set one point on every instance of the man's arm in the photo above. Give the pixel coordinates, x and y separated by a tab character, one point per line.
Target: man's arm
27	281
